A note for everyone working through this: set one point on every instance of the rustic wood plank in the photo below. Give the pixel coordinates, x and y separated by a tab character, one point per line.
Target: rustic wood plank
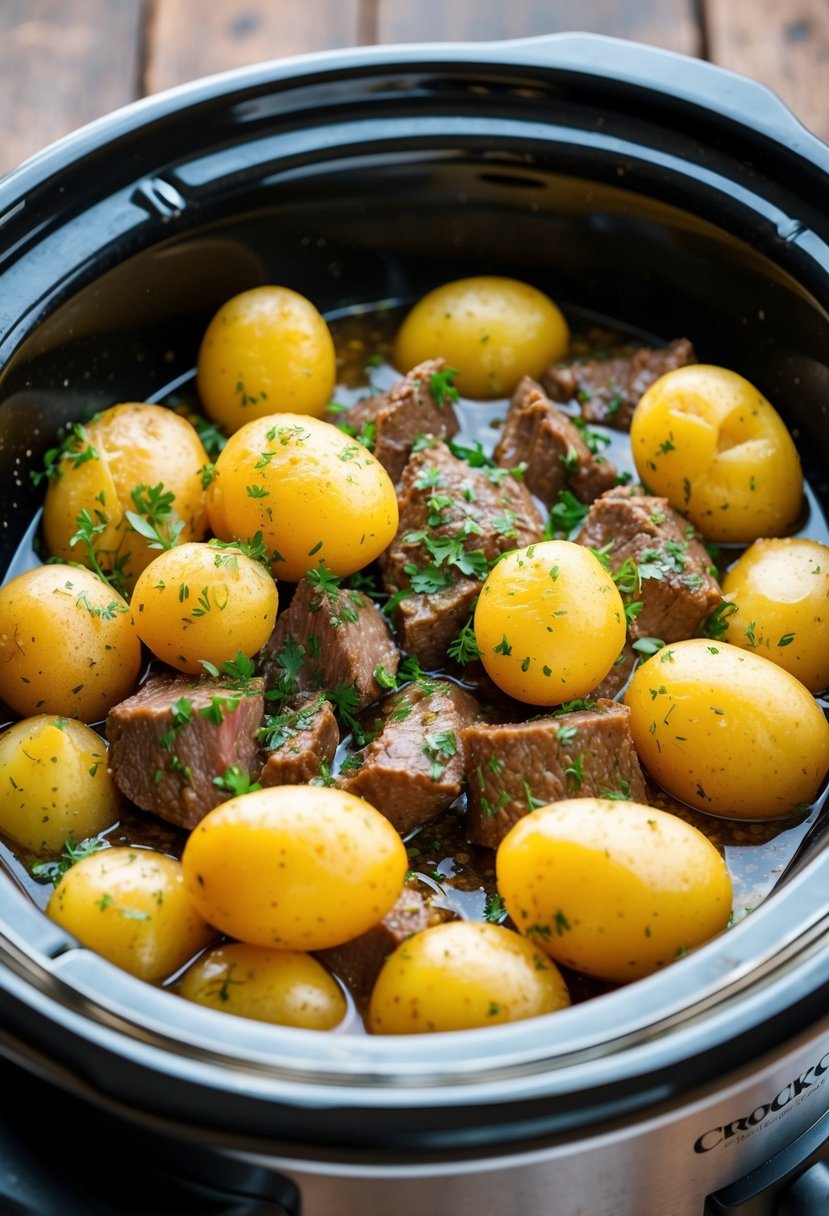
190	38
665	23
63	64
785	45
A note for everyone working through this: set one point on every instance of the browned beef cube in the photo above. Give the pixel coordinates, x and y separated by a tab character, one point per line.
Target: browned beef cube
427	624
676	587
358	962
454	520
329	636
414	768
447	503
608	390
299	742
552	447
514	768
173	739
419	404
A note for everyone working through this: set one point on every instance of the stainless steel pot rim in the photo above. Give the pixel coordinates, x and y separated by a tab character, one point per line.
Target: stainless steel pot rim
780	948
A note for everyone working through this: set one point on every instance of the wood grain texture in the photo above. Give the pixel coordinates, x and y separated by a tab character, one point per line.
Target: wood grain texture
665	23
190	38
782	43
63	64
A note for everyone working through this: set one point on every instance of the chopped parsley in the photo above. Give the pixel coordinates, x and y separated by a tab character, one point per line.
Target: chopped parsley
280	728
153	517
442	386
384	678
439	749
716	623
494	908
464	648
75	450
574	773
236	781
254	547
53	871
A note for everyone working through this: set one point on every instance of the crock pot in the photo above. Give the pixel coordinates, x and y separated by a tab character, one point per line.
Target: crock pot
626	181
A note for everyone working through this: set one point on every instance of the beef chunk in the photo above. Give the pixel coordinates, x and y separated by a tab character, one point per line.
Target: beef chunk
358	962
446	503
517	767
675	585
427	624
608	390
328	637
552	447
299	741
454	521
173	739
419	404
414	767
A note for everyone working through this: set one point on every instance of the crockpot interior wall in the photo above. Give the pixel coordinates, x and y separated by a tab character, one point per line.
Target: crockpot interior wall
381	229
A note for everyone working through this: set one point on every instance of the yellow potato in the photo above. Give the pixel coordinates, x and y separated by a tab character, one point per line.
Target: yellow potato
550	623
200	602
54	783
460	975
266	351
616	890
727	731
131	906
316	495
493	330
781	591
136	458
284	987
67	644
709	442
298	867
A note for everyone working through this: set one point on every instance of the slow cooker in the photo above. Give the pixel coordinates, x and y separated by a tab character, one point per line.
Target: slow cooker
626	181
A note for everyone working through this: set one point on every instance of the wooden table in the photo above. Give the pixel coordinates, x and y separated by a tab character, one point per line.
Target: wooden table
65	62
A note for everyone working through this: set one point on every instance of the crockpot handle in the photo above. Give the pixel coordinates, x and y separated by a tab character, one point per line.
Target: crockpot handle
794	1183
678	77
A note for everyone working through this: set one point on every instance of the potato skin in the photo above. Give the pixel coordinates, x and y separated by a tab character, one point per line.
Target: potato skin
709	442
135	445
616	890
492	330
266	350
727	731
198	602
54	783
283	987
296	867
131	907
316	495
781	591
67	644
460	975
550	623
